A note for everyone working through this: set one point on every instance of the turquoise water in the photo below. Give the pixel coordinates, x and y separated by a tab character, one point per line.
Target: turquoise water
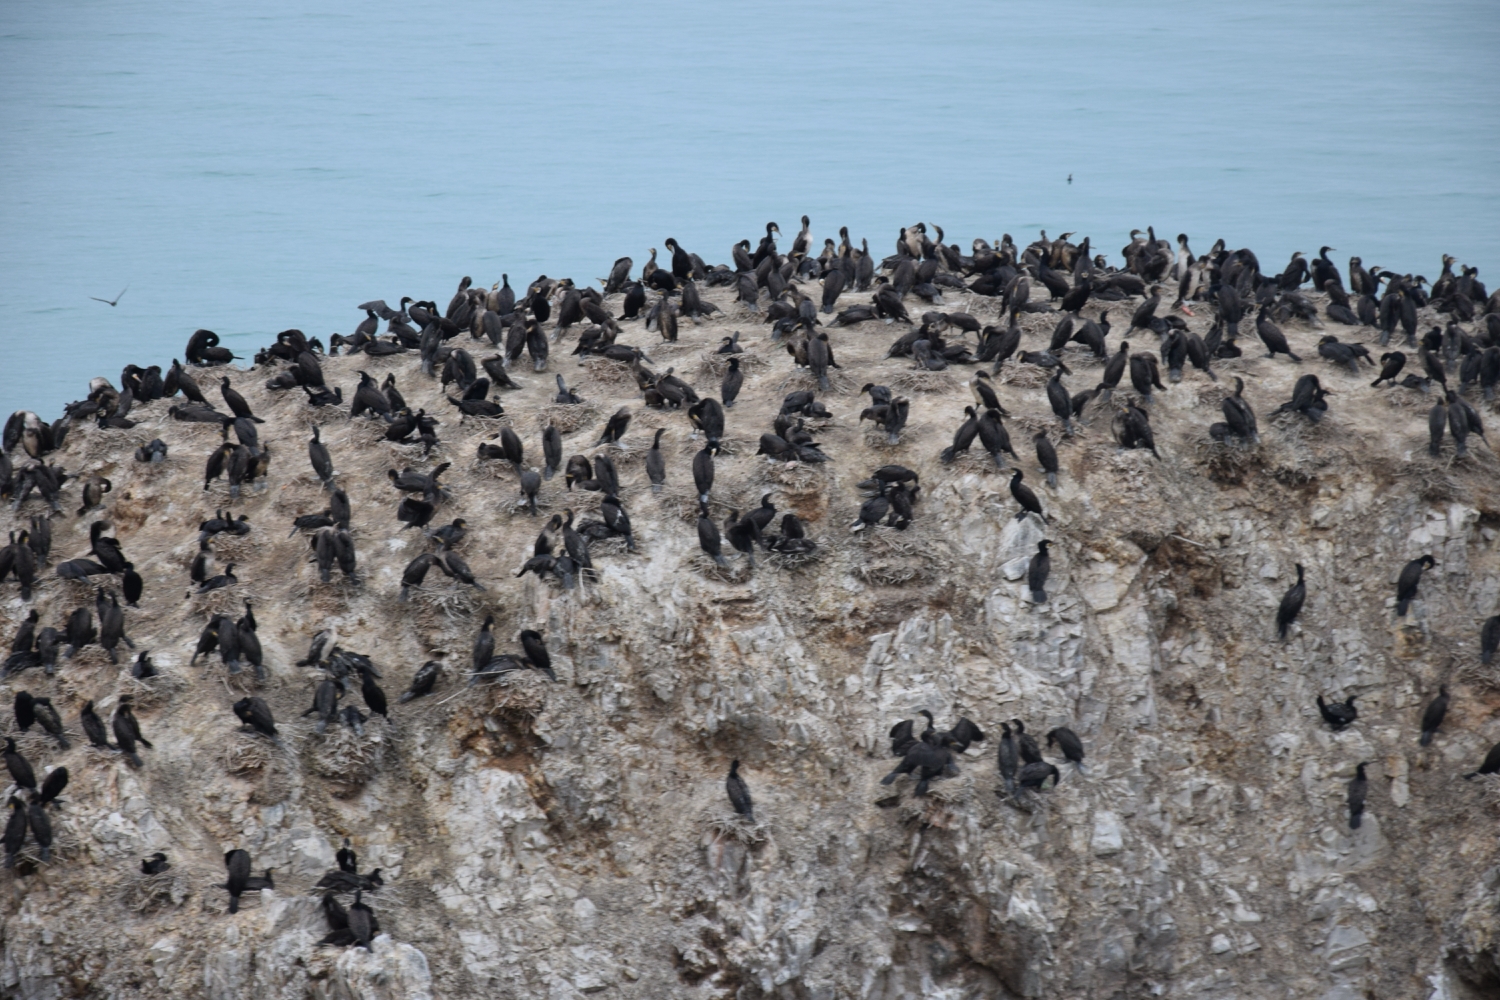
253	167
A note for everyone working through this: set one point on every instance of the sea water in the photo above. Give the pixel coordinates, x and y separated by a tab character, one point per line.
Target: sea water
252	167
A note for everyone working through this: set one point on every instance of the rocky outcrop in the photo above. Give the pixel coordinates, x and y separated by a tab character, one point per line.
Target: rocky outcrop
558	840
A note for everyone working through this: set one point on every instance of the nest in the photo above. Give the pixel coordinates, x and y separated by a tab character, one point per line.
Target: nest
67	846
39	746
391	901
456	602
921	381
141	893
941	805
571	417
790	562
228	601
1227	463
977	462
249	754
729	447
1023	376
800	379
1211	393
896	558
347	760
713	365
610	378
797	478
731	492
734	827
737	571
876	438
518	696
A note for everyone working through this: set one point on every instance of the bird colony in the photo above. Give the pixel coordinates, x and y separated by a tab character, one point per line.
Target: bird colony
1031	621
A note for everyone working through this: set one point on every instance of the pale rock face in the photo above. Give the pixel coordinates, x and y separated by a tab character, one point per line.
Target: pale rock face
574	840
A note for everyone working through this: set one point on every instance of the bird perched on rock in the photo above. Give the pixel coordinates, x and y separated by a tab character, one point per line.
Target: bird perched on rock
1338	715
739	792
1291	604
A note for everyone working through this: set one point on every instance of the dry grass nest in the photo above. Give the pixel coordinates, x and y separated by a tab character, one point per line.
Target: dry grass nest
1022	376
345	758
40	747
797	478
944	798
571	417
737	571
732	491
141	893
517	695
1401	398
978	462
608	378
894	558
840	383
226	600
790	562
246	754
152	692
718	825
447	599
712	365
921	381
876	439
1226	463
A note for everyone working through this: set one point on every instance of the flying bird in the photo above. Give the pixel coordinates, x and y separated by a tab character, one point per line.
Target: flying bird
114	301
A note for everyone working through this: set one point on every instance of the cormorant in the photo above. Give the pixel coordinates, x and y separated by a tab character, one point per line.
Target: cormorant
1025	497
1291	604
1357	789
1034	775
1046	456
615	428
237	862
155	865
18	765
325	703
15	831
361	921
1037	572
1336	715
1026	743
1271	335
1070	745
1489	639
484	644
1009	758
93	727
535	648
926	760
422	683
347	860
255	713
128	730
729	388
1407	583
322	461
1391	366
53	785
1238	414
739	792
41	829
1491	763
1432	717
47	716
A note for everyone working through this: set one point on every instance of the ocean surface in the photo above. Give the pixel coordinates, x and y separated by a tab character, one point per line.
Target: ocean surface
253	167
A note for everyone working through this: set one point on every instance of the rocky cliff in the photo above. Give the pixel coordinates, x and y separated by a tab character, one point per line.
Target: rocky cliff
543	839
